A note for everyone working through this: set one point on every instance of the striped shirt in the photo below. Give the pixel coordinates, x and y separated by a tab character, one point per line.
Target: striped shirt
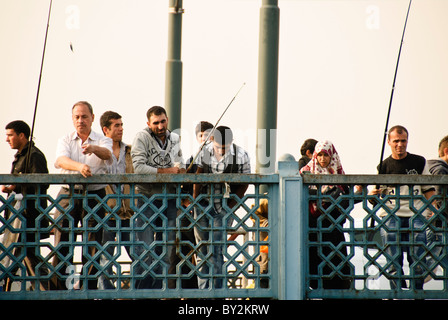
207	158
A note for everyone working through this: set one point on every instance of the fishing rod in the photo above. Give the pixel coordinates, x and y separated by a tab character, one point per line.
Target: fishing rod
393	89
213	129
28	155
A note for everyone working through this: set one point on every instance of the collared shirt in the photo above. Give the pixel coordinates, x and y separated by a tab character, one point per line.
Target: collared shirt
162	144
218	166
118	166
70	146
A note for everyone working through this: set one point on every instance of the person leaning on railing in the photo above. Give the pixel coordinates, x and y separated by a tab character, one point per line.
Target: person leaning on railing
112	126
86	152
28	159
156	150
403	162
220	156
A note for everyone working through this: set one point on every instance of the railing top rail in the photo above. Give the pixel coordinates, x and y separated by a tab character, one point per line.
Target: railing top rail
360	179
137	178
388	179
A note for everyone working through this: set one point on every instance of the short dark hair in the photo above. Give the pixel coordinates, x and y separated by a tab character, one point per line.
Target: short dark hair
309	144
19	127
223	135
156	110
106	117
203	126
88	105
399	129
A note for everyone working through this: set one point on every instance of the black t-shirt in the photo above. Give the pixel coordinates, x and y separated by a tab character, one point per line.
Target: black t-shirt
412	164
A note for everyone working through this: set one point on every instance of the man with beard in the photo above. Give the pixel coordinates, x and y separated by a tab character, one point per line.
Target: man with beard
155	150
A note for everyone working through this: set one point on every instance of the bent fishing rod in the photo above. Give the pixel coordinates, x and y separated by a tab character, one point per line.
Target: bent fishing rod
213	129
28	155
392	92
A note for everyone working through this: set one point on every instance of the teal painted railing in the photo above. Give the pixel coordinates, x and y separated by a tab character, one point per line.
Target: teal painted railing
290	243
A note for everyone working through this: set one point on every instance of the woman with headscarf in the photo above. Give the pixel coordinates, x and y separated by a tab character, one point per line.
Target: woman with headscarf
326	227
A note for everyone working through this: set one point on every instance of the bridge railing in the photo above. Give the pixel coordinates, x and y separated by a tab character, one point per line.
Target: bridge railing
34	265
360	246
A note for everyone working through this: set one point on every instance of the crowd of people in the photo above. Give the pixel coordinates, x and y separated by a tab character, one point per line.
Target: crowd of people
157	150
403	217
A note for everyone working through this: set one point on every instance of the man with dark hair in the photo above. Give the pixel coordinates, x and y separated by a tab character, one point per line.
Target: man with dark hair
405	218
29	159
89	153
202	130
156	150
19	126
220	156
157	111
306	150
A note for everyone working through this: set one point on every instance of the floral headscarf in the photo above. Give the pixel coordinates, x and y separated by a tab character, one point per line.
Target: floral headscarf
334	167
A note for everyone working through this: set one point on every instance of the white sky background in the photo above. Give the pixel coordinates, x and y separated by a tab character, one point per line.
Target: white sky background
337	62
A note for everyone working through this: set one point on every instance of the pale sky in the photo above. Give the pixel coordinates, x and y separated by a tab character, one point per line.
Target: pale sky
336	68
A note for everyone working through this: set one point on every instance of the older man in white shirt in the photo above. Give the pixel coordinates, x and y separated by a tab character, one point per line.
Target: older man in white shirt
88	153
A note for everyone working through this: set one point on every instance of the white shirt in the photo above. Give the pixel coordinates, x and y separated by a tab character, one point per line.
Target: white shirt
70	146
118	165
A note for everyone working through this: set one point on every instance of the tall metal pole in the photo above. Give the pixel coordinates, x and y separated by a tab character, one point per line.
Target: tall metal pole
268	49
173	72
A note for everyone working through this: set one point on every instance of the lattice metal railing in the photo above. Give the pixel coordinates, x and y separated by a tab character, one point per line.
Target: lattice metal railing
395	257
291	255
74	262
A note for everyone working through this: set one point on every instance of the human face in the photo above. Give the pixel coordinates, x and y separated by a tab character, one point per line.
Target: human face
16	141
158	124
201	136
398	143
115	130
323	159
82	119
219	149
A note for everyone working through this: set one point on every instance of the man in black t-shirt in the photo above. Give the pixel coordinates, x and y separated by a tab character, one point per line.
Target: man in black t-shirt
396	223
